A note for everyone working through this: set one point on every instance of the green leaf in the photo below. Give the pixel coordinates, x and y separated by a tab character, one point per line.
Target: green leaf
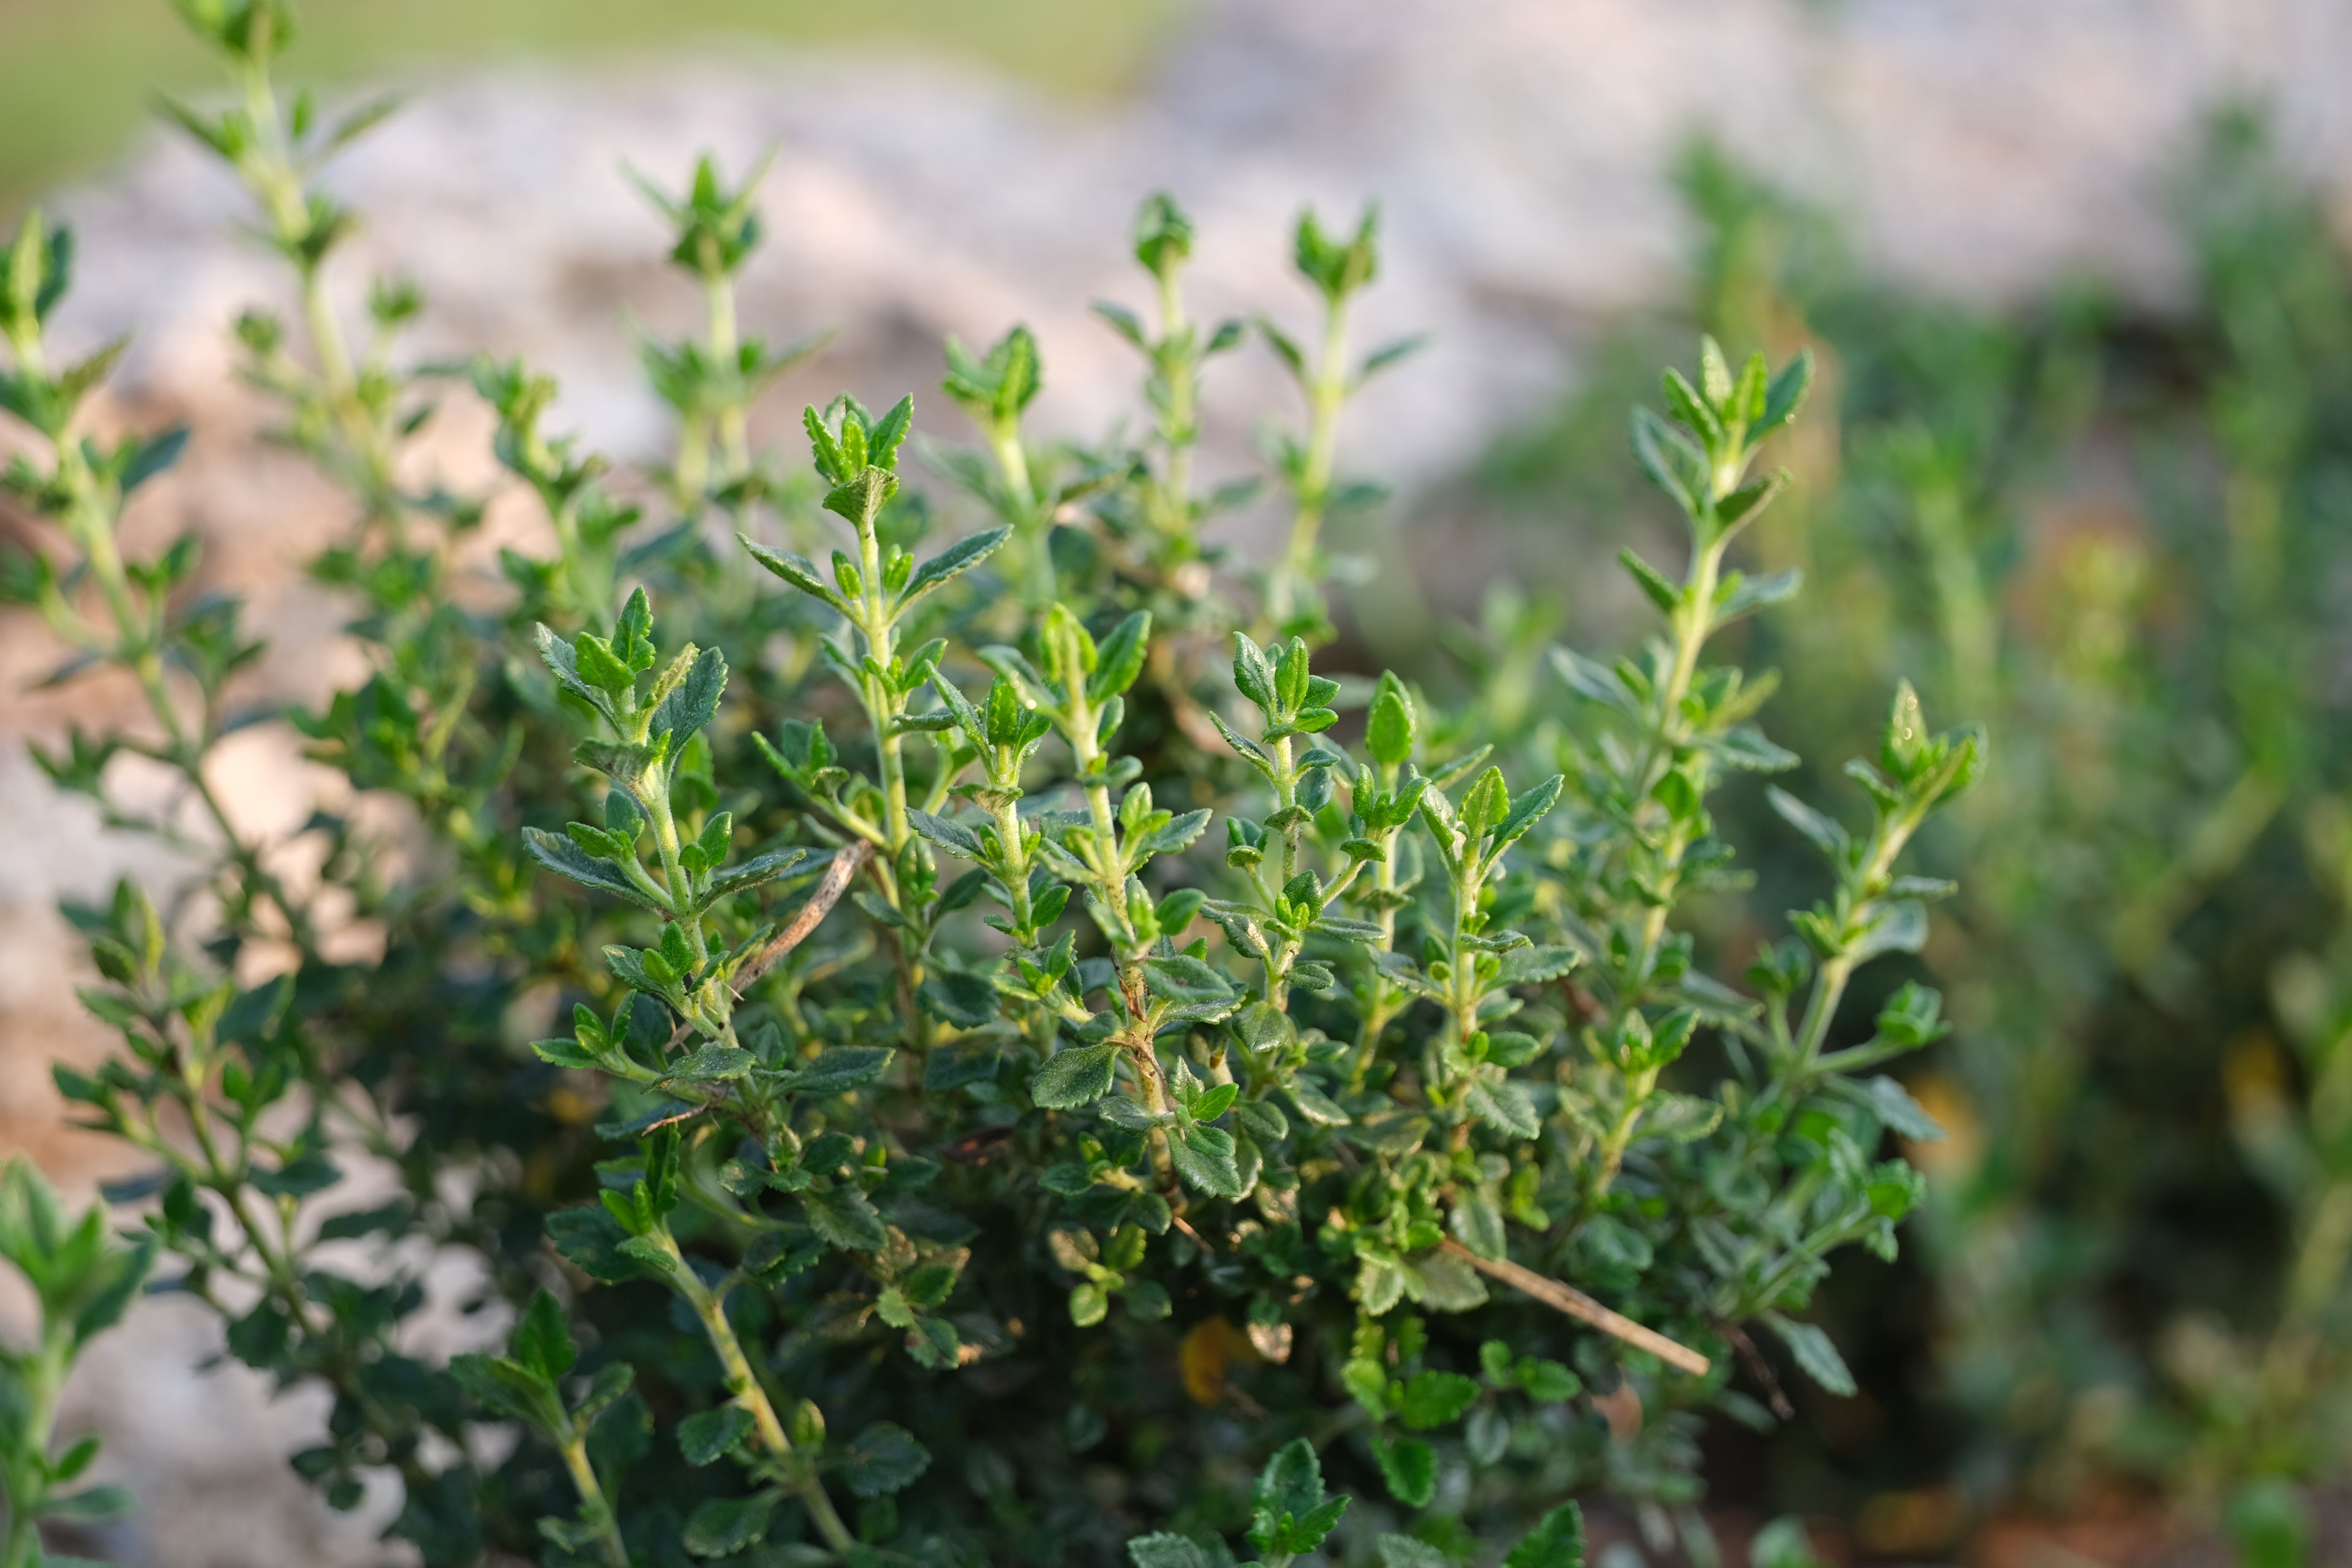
568	858
1186	980
1750	593
1478	1225
96	1504
1204	1156
1823	832
882	1459
713	1064
1389	727
1172	837
1078	1075
1119	661
1815	1353
1672	463
1526	965
844	1219
307	1172
541	1340
1783	1543
1289	1495
959	557
1785	396
1409	1466
1665	594
1448	1283
724	1526
761	868
1530	808
1263	1026
1167	1551
1404	1551
1504	1106
1895	1110
948	834
711	1435
694	702
966	1000
1901	926
837	1069
1315	1105
591	1238
1435	1398
794	569
1556	1541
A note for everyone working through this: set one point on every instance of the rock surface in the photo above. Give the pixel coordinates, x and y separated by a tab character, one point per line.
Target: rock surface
1980	147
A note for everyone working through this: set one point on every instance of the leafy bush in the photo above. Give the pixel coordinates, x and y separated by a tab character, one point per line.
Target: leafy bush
2118	535
1024	1029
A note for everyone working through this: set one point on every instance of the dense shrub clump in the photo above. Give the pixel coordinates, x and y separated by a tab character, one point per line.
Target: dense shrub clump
1021	1026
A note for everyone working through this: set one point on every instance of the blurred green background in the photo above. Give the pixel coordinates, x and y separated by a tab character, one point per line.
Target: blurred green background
76	76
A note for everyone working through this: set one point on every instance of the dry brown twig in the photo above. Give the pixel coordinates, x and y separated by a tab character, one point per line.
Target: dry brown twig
846	864
1583	1308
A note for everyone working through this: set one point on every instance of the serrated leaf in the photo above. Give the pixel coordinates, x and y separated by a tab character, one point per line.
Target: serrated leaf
1078	1075
1895	1110
948	834
844	1219
1556	1541
712	1064
797	570
1526	965
959	557
1824	833
1478	1224
1813	1351
1405	1552
1289	1489
1185	980
884	1458
711	1435
1204	1156
1315	1105
1166	1550
1744	746
1435	1398
1409	1466
759	870
694	702
966	1000
541	1340
837	1069
1448	1283
1752	594
560	854
1652	583
591	1238
1504	1106
724	1526
1172	837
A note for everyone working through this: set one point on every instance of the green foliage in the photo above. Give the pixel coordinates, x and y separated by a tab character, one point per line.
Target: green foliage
81	1278
934	1100
2110	532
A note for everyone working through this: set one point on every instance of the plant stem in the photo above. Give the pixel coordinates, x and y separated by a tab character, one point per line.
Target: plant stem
44	1375
1324	395
593	1501
748	1392
726	349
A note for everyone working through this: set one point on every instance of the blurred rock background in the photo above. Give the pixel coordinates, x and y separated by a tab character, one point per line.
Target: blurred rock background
949	168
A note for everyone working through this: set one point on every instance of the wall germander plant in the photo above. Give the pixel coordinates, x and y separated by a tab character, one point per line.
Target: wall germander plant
1029	1017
